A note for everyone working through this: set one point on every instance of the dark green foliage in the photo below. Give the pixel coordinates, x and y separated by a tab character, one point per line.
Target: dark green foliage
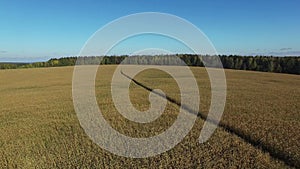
7	65
258	63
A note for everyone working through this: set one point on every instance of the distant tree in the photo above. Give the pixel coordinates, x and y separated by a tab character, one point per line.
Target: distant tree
238	62
278	68
229	63
270	66
253	65
244	66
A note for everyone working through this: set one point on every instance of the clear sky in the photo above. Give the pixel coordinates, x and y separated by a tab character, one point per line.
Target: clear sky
33	30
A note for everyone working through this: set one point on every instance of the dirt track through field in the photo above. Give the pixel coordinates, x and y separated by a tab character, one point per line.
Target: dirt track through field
276	154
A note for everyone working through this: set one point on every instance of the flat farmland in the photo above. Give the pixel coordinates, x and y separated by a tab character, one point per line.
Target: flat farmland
40	129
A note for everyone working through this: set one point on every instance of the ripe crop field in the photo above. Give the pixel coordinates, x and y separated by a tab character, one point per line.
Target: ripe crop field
39	127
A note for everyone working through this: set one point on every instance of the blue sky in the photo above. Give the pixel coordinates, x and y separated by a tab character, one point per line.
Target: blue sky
35	30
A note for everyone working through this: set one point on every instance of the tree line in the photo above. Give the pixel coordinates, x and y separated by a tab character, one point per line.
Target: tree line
255	63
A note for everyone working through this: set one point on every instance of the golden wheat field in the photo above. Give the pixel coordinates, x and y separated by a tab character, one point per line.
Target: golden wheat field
39	127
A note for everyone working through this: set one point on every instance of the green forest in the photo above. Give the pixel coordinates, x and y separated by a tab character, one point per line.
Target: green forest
289	65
